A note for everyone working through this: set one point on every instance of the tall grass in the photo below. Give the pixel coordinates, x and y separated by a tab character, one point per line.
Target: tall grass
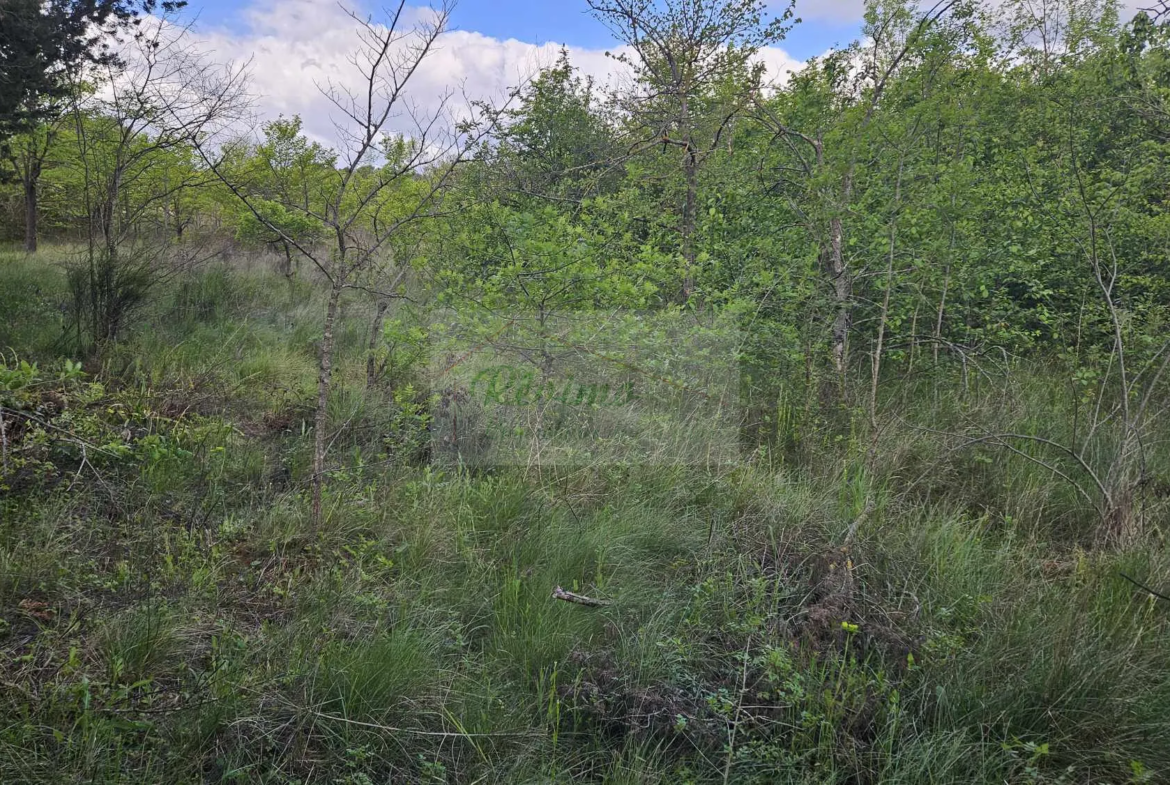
172	615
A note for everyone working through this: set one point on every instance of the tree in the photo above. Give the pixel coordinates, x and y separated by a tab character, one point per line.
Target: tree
283	173
556	145
380	182
1093	171
162	98
692	63
44	47
27	153
827	152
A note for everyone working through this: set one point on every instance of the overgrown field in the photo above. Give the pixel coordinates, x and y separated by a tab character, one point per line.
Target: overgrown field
169	612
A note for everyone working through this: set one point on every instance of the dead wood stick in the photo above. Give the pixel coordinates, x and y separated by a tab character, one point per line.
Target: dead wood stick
580	599
1145	588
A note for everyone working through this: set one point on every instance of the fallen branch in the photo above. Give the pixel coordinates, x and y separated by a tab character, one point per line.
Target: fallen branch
1145	588
580	599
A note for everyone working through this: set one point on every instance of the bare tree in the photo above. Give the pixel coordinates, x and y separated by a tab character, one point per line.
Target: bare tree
393	163
162	95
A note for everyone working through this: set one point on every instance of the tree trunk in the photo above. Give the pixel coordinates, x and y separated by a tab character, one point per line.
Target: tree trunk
690	207
913	338
690	198
942	305
287	269
31	213
839	275
324	382
842	295
883	321
375	335
1122	515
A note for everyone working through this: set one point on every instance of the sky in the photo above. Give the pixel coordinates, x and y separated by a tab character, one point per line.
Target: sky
295	46
825	22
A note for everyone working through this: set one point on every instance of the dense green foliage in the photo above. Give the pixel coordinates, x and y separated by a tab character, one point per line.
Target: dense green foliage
936	556
45	45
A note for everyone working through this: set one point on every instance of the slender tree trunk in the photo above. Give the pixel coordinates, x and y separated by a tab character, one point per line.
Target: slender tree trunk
842	295
375	335
913	336
942	301
287	270
324	382
1122	520
3	445
876	365
691	196
942	307
839	274
690	207
180	224
883	321
31	212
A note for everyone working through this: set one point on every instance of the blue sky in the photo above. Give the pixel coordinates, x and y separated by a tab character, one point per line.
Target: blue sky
294	47
568	22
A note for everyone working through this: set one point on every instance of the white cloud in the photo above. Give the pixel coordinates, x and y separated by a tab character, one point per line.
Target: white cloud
779	63
839	11
295	46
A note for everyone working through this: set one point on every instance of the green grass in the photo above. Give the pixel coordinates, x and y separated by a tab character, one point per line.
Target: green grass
169	612
33	302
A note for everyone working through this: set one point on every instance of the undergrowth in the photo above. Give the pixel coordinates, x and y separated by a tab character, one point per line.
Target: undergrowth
169	612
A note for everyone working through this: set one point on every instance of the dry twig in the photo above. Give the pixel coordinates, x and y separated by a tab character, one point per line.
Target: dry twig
580	599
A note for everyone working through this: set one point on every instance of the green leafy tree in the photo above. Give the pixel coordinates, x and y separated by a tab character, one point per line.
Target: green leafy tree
825	120
380	183
284	175
556	145
45	47
162	98
692	65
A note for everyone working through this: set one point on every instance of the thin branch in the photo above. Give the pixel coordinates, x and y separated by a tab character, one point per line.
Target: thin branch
1145	588
579	599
